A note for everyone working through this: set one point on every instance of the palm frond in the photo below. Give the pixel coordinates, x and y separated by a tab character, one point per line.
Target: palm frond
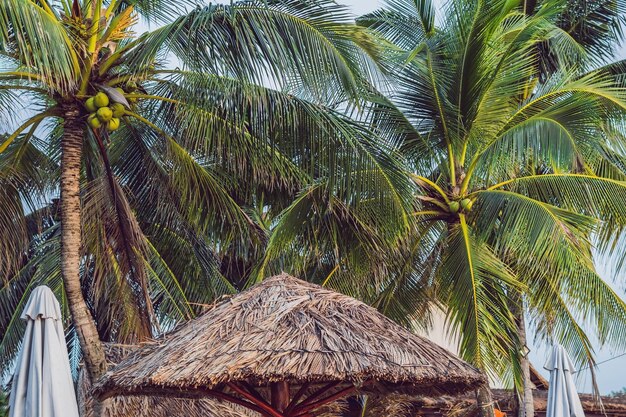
473	284
534	230
403	23
234	40
157	11
39	41
596	197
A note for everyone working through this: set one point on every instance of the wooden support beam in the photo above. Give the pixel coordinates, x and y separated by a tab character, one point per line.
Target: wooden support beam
252	391
307	409
317	394
297	396
269	410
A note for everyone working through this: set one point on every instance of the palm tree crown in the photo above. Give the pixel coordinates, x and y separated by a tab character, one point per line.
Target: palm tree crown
160	167
517	174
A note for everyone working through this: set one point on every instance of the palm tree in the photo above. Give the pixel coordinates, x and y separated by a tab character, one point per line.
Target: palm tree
160	184
597	28
518	176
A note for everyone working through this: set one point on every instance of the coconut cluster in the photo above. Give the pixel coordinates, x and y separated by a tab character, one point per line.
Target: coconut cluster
456	206
103	114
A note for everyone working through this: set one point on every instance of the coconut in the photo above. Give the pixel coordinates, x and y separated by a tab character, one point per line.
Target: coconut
113	124
454	206
90	105
467	204
101	100
118	110
104	114
94	122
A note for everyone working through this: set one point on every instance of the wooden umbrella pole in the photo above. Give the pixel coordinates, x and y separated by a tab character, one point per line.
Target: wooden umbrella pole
280	395
235	400
260	403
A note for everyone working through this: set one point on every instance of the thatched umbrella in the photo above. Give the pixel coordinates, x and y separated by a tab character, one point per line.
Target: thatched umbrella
165	406
150	406
285	348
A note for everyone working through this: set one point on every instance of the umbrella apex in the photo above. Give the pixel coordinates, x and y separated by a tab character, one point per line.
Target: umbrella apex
43	304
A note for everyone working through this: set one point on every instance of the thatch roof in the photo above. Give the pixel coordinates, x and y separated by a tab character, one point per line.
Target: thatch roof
608	407
145	406
538	380
154	406
465	405
285	329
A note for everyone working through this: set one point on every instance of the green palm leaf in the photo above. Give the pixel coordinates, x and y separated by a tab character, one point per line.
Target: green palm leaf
39	41
473	282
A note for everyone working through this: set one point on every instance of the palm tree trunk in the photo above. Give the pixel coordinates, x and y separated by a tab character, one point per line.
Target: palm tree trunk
484	400
525	400
71	156
527	404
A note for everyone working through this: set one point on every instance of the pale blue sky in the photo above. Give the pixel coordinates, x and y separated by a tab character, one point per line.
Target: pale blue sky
362	6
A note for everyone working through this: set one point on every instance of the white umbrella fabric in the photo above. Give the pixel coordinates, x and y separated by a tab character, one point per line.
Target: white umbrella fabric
42	383
563	400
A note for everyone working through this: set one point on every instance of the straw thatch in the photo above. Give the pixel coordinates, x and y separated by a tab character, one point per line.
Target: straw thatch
144	406
538	380
465	405
608	407
285	329
154	406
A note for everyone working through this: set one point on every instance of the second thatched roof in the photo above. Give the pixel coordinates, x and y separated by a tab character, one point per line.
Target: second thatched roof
285	329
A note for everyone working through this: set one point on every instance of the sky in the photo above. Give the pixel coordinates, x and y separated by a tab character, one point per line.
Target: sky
362	6
610	374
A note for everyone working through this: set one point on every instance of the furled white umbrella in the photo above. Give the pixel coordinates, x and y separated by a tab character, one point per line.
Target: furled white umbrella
563	400
42	383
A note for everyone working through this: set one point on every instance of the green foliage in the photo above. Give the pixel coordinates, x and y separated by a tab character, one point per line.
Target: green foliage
620	394
177	204
596	26
409	160
4	404
472	110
